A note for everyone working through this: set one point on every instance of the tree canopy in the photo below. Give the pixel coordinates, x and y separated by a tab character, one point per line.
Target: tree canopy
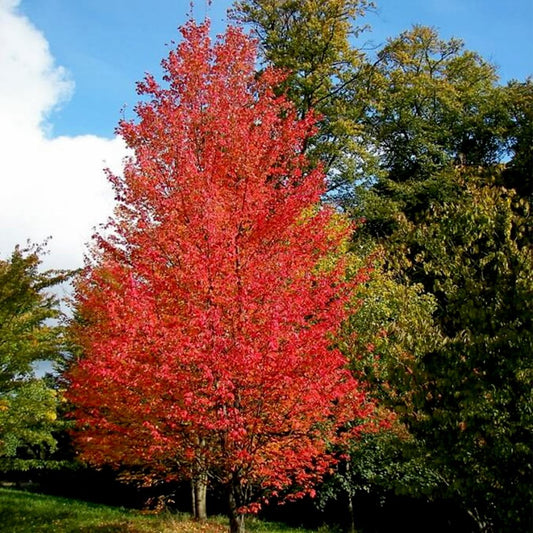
29	333
207	316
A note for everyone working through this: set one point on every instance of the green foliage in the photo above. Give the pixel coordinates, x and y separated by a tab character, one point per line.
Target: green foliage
475	256
389	461
28	405
385	339
432	106
443	336
388	333
444	339
311	41
27	419
307	38
449	228
433	103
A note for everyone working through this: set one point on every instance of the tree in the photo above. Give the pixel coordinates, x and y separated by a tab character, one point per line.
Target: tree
433	106
475	257
207	316
443	208
311	40
443	128
28	405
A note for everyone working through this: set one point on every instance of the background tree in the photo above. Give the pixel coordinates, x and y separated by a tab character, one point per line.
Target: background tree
29	333
431	113
475	256
208	314
433	106
311	40
443	129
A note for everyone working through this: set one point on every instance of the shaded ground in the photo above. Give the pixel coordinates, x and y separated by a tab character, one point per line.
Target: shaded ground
24	512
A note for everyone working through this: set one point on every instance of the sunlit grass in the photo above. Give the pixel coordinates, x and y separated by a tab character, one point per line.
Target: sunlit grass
27	512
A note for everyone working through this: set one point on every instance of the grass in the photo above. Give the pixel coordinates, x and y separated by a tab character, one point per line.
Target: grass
25	512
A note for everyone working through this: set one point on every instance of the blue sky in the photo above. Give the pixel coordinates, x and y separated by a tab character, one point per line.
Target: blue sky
70	66
107	45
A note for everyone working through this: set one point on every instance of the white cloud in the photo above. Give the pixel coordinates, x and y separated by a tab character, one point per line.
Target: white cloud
49	186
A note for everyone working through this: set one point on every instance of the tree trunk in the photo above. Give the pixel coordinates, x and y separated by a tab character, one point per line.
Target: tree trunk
349	494
352	513
199	497
236	519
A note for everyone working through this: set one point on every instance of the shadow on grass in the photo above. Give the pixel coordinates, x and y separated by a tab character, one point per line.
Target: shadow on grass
25	512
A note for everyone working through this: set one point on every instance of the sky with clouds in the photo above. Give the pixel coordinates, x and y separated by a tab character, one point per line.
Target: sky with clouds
68	71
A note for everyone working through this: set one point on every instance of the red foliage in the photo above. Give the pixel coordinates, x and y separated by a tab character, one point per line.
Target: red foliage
207	313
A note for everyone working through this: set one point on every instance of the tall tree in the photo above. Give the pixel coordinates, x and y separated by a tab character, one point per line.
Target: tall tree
432	106
443	208
311	40
28	404
208	312
455	366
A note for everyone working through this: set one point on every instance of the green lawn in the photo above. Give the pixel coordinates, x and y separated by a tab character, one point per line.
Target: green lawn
27	512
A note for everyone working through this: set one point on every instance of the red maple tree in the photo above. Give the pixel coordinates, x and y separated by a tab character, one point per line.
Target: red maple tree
207	313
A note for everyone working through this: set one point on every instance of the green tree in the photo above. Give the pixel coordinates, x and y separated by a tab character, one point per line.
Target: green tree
432	106
311	41
28	335
444	341
518	173
453	220
475	257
